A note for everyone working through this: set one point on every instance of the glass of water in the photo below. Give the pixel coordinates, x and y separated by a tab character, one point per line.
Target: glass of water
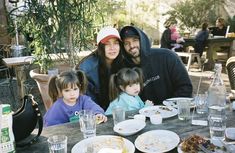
217	125
183	109
88	125
201	103
57	144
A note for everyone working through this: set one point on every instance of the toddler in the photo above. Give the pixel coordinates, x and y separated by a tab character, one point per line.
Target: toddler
66	90
124	88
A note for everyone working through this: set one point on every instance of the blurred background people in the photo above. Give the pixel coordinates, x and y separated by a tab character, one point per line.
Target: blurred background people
201	39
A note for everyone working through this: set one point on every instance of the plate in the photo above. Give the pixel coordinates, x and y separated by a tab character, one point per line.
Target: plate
102	143
159	109
157	141
129	127
173	102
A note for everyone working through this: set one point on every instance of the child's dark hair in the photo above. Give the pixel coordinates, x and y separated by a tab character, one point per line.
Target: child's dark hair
124	77
62	81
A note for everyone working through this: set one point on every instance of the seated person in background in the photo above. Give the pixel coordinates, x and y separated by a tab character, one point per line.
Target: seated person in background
219	29
124	89
201	39
166	40
67	91
174	36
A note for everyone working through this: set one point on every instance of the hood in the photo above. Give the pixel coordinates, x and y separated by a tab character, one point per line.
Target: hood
144	41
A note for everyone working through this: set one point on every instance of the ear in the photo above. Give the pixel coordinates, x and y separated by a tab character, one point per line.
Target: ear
122	88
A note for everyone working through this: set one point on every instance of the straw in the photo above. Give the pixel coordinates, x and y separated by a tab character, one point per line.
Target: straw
200	80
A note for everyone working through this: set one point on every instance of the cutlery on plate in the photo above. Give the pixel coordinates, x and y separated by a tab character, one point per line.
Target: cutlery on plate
204	149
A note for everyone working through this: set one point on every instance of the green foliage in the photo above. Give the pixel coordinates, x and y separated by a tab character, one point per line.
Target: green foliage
192	13
57	26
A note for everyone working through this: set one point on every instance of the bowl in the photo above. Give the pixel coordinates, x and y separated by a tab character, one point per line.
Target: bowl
230	133
129	127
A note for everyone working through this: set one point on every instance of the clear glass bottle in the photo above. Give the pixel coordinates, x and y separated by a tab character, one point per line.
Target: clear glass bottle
217	93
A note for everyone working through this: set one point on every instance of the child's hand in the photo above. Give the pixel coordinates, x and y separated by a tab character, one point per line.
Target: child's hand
100	118
148	103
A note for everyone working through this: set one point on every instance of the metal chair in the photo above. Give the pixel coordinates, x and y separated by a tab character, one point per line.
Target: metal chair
230	66
6	81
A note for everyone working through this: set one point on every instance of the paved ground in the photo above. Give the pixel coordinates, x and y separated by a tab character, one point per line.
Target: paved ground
195	77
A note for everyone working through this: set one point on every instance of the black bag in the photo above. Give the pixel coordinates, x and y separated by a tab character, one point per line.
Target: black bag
25	120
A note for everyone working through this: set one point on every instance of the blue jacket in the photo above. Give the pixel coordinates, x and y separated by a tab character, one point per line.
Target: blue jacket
165	75
127	102
90	68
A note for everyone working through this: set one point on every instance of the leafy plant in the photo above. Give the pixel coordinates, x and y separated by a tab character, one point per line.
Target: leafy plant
192	13
57	26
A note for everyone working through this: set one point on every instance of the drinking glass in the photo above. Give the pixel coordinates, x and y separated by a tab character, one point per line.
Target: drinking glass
217	126
118	114
183	109
88	125
57	144
201	103
84	113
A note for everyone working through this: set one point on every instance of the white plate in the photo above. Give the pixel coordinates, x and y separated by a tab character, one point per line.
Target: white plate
173	101
129	127
159	109
157	141
104	142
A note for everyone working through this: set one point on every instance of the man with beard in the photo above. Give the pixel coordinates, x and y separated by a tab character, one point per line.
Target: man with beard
165	75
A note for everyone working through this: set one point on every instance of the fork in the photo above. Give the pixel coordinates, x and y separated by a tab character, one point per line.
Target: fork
204	149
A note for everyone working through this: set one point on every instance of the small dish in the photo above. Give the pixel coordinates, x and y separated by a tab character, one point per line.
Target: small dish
129	127
230	133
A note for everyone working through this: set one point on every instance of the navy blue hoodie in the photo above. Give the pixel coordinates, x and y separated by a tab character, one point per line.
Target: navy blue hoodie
165	76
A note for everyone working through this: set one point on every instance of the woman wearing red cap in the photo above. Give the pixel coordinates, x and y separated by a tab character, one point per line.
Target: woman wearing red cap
99	65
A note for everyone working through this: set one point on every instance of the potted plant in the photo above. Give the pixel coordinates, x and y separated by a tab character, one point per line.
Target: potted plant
56	31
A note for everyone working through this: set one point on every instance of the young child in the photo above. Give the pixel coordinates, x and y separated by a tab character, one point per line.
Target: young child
124	88
67	91
174	36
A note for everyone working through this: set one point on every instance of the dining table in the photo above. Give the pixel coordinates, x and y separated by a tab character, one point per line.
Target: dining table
212	43
183	129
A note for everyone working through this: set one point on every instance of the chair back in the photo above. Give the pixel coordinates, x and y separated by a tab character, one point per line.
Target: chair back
230	66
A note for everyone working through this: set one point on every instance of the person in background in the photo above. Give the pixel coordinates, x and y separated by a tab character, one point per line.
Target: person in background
164	74
166	39
176	36
66	90
219	29
107	59
124	89
201	39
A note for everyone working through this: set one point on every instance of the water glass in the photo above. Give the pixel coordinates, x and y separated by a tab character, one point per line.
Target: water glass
88	125
118	114
217	125
57	144
183	109
83	113
201	103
